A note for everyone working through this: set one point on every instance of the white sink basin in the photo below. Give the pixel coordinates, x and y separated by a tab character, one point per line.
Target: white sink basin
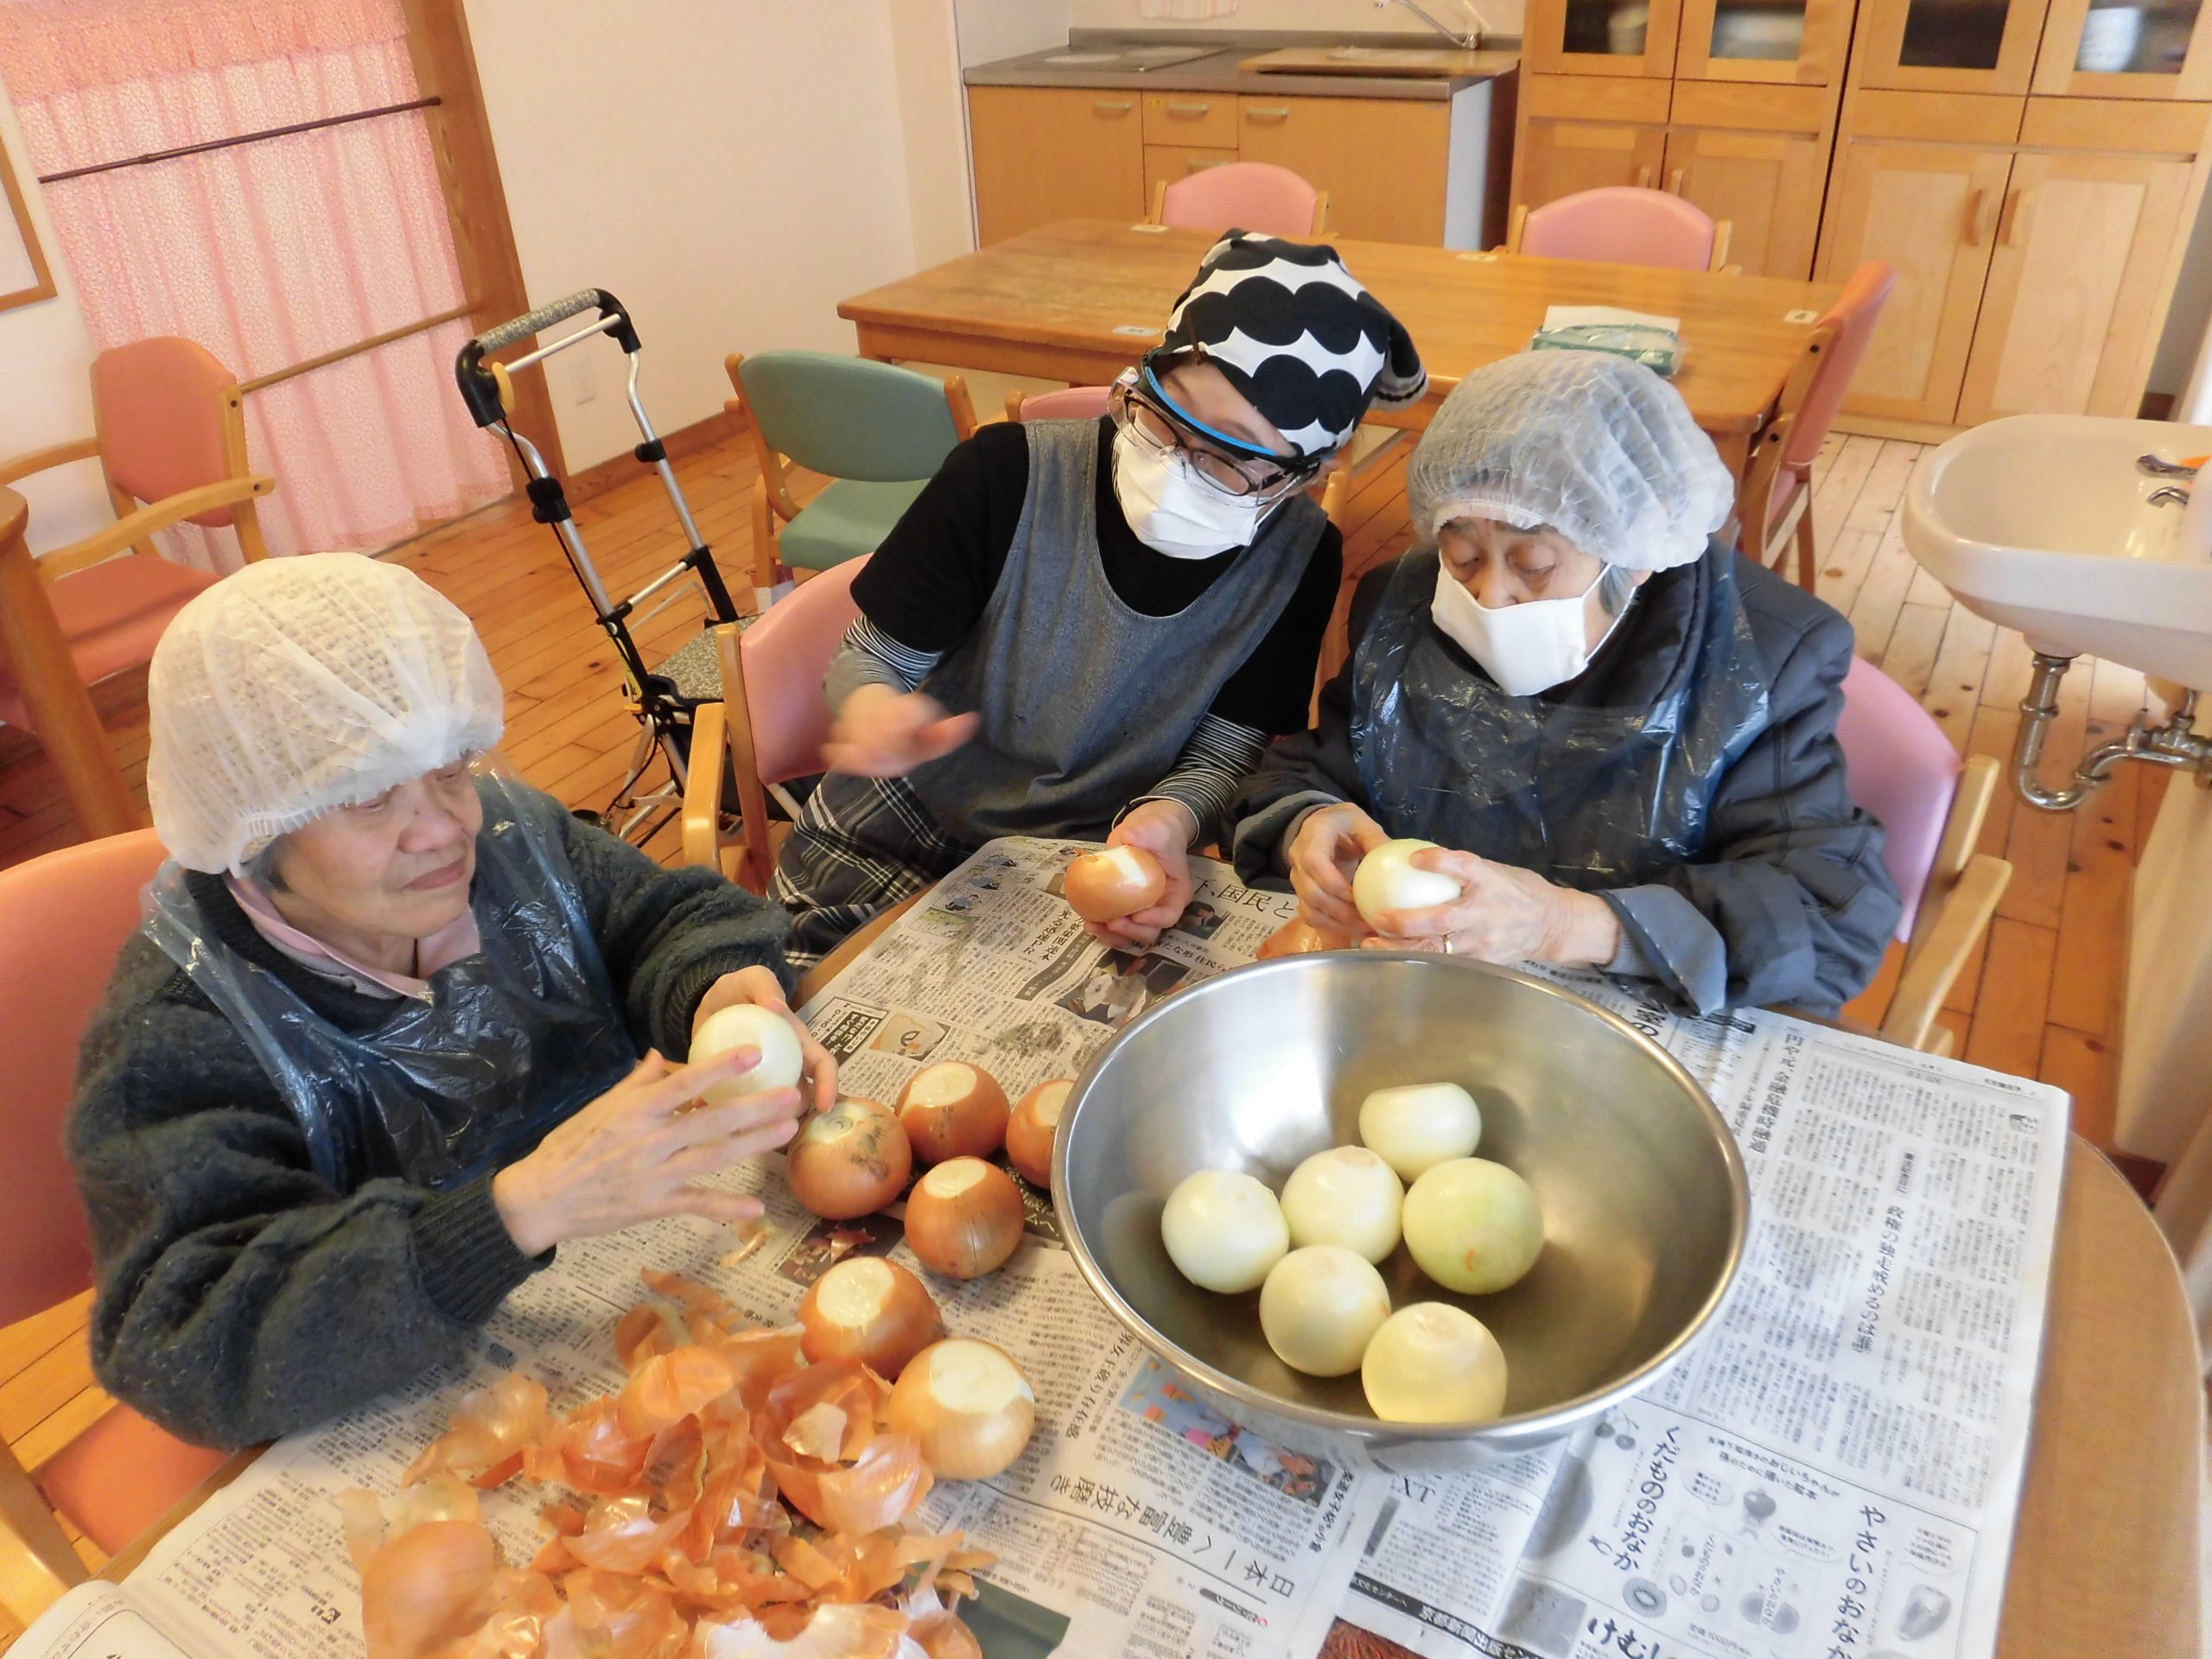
2042	523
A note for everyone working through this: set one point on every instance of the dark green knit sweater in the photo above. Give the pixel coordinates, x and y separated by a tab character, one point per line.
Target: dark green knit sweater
240	1296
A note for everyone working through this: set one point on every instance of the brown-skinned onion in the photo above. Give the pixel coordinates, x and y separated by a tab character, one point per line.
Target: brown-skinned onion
871	1310
968	1405
848	1161
952	1110
1103	886
964	1218
1031	1130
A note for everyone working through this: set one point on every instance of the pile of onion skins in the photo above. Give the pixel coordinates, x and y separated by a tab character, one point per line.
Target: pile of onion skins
731	1501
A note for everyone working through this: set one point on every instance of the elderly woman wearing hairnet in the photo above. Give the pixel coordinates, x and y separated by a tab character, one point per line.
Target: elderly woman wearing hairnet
394	1029
1621	733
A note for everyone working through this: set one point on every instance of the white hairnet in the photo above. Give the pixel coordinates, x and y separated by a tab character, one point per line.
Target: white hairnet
299	685
1597	448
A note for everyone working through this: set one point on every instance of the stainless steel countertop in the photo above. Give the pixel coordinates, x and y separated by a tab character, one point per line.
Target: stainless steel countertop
1218	72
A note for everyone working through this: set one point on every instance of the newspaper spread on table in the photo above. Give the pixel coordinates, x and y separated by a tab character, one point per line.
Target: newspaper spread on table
1832	1471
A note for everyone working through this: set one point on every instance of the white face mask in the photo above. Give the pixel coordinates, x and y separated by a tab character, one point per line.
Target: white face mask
1526	648
1171	510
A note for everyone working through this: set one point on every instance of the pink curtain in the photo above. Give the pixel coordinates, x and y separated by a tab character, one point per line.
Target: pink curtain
266	253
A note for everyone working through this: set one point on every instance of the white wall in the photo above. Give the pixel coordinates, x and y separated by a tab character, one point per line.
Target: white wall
2190	316
1318	16
991	30
729	168
46	357
933	125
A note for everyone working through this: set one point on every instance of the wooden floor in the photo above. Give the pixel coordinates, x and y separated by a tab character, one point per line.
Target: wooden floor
567	732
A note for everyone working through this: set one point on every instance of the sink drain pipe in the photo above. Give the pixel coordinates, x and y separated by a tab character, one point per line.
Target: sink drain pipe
2174	744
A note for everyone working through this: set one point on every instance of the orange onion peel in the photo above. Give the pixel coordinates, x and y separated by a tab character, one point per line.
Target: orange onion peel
1298	937
730	1499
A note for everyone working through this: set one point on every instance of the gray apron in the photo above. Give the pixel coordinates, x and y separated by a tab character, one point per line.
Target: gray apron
1588	798
509	1042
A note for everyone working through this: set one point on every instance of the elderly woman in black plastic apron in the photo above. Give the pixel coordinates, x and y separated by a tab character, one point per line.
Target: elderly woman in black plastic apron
394	1029
1621	731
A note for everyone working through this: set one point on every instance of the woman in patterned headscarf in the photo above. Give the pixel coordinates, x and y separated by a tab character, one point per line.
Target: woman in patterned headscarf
1092	628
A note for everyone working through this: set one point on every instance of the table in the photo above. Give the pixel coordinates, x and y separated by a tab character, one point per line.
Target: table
60	706
1080	299
2104	1560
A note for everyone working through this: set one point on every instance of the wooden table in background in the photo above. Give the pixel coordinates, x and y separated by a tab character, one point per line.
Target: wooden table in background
1080	299
60	706
2104	1559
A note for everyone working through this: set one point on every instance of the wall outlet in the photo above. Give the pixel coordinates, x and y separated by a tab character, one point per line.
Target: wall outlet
584	379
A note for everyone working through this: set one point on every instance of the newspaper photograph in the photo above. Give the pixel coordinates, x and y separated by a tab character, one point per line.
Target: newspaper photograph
1831	1471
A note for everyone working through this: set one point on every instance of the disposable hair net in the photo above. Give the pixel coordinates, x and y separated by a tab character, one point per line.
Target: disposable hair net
299	685
1600	448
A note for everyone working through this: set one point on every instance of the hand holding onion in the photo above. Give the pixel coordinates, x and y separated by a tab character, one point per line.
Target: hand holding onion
1493	913
1126	911
634	1153
1330	845
747	1009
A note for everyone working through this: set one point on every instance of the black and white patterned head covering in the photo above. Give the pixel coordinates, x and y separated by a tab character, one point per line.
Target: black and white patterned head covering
1297	335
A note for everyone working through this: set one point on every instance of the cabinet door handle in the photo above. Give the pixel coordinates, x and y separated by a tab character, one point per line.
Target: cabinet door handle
1189	109
2012	223
1109	106
1275	113
1977	218
1644	178
1675	182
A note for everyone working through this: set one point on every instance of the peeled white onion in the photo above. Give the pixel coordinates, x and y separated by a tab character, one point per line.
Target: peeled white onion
1223	1230
1386	880
964	1218
1119	881
744	1025
1030	1131
1320	1308
851	1160
1433	1362
970	1406
953	1110
1345	1196
871	1310
1416	1127
1473	1226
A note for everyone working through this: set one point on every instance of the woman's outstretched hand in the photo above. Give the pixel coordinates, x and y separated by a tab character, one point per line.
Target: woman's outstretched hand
635	1153
1324	854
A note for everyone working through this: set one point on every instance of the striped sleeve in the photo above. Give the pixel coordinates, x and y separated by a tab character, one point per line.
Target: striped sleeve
1206	775
868	656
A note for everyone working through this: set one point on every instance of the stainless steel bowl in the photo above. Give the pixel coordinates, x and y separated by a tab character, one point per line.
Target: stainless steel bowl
1642	1189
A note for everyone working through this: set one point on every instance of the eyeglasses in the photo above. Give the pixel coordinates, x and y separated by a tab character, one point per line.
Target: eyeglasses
1142	407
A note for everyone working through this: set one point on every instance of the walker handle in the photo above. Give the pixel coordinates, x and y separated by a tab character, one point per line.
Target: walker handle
481	391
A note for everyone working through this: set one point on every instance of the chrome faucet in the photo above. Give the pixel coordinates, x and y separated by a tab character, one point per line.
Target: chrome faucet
1470	41
2165	493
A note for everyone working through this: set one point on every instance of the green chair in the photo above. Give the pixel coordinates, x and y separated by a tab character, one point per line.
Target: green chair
880	432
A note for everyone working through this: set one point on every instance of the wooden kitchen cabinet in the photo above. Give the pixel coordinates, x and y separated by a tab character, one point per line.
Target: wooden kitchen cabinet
1562	158
1800	42
1766	184
1384	162
2068	322
1948	46
1601	37
1929	210
1043	153
2156	51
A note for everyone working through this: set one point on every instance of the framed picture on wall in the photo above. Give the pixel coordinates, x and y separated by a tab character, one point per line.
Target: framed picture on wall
24	278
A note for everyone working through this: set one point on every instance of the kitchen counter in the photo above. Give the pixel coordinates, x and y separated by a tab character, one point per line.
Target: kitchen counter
1218	70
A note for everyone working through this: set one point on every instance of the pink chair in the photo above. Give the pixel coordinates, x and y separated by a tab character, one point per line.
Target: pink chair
1074	404
1776	500
1622	224
63	920
1244	195
770	726
1904	771
169	431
